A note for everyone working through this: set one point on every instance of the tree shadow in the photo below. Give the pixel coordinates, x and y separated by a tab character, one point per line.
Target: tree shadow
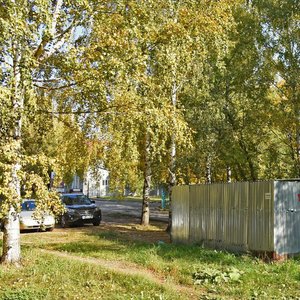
131	239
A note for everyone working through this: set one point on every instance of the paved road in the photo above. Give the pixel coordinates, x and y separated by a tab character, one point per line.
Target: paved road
131	208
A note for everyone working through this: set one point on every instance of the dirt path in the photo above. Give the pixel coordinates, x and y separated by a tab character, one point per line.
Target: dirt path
128	226
130	269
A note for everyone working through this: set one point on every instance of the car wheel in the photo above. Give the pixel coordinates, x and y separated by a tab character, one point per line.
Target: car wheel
50	229
63	222
97	222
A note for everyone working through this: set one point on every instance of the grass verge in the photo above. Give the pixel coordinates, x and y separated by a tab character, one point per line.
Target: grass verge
105	254
219	273
46	276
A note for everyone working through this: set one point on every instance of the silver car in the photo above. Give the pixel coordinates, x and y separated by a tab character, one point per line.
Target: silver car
29	222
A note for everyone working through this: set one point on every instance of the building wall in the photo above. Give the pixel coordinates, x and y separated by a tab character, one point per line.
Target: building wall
96	185
93	185
76	184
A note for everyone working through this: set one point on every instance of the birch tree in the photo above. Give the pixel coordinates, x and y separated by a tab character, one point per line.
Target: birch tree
191	29
281	21
139	124
32	35
170	39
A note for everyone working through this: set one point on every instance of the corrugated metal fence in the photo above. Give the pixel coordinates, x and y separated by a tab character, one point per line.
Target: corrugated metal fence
237	216
287	216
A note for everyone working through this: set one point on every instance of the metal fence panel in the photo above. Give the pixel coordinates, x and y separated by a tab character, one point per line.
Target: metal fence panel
180	214
258	216
261	216
287	217
235	224
196	210
215	195
218	215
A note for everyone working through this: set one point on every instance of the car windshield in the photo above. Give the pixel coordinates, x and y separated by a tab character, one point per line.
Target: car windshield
76	200
28	205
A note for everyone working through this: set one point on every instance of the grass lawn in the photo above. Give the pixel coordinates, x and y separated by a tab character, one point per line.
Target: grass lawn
122	262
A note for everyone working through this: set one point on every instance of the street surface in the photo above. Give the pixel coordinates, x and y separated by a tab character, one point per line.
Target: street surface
133	209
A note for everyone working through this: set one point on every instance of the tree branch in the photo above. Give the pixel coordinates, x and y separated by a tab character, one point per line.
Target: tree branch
106	110
56	12
52	30
56	88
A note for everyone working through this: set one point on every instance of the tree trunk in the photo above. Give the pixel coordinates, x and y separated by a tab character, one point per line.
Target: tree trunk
298	153
172	163
147	183
11	238
208	170
172	180
11	252
249	158
297	118
228	174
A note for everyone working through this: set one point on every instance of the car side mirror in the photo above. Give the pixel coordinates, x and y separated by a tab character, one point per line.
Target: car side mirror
93	201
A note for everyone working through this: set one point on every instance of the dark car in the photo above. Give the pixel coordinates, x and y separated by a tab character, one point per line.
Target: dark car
79	210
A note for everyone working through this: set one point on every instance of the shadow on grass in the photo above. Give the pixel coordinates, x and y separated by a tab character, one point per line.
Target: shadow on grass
296	258
109	242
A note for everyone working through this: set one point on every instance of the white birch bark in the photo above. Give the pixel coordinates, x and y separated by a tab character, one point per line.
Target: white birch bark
172	163
297	113
228	174
147	183
11	233
48	45
11	252
208	170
